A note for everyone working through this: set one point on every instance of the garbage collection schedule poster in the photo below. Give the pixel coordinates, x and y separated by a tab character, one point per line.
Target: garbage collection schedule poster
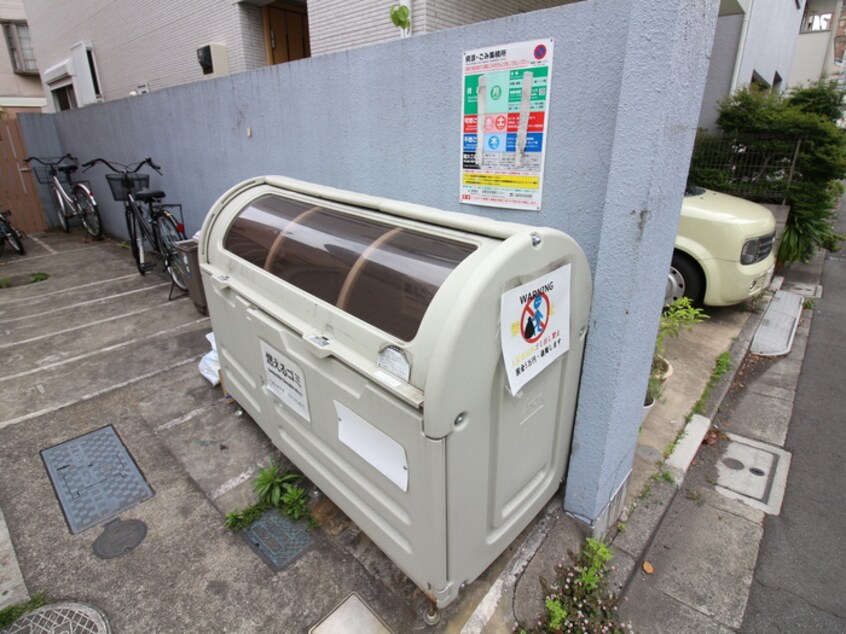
504	124
535	326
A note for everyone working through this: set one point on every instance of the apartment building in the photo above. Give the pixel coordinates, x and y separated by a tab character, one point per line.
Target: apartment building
754	43
20	87
98	50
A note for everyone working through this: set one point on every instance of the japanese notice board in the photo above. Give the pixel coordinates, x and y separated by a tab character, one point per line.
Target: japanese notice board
535	326
285	380
503	142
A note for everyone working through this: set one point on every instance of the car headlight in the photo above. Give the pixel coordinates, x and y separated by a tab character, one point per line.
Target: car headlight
756	249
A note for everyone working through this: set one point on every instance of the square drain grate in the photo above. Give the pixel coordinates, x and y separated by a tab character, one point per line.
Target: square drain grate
277	540
775	333
95	478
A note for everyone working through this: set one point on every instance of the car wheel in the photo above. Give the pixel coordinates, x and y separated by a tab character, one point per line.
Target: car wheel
684	280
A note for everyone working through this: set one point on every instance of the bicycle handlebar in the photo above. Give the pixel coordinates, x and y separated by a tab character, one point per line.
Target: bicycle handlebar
51	162
123	169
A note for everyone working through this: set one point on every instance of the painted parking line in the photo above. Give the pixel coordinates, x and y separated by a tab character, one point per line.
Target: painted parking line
231	483
194	413
111	348
68	290
478	621
43	245
86	325
86	303
55	408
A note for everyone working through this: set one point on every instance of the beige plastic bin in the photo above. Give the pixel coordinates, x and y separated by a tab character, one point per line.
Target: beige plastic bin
420	366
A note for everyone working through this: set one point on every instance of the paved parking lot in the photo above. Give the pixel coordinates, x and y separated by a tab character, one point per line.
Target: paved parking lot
98	344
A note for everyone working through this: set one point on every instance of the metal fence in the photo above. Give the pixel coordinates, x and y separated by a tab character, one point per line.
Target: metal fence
759	168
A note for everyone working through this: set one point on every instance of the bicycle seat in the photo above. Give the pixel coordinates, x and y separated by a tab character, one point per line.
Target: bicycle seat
67	168
146	195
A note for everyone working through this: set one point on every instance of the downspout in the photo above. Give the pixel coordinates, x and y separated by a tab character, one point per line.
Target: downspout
741	47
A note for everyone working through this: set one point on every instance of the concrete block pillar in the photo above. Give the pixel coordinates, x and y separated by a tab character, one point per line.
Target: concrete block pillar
660	91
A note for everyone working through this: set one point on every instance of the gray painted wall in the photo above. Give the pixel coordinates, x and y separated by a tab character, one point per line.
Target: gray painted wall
42	139
386	120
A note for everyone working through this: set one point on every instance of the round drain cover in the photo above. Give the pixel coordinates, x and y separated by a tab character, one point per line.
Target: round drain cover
119	537
733	463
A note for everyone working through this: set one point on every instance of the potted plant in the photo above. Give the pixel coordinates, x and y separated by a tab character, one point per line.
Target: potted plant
654	390
680	314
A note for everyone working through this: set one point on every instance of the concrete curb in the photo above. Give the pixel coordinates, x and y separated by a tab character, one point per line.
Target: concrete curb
12	586
644	520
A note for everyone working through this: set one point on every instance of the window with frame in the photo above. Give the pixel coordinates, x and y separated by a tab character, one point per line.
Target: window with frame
20	48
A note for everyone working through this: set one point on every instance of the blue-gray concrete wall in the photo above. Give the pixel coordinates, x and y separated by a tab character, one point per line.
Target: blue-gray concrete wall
42	140
386	120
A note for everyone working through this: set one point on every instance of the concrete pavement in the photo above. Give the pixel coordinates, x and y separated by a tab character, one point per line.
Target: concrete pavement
703	538
98	344
800	579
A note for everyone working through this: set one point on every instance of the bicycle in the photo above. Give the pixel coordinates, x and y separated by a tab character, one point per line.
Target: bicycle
153	230
9	234
79	202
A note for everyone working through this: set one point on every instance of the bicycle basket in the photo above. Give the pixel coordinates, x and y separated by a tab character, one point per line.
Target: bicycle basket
118	184
43	176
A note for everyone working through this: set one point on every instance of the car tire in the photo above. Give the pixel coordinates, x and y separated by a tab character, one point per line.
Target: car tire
684	280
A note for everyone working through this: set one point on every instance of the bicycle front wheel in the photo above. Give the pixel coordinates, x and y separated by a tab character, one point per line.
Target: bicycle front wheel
14	238
88	211
169	235
60	208
138	244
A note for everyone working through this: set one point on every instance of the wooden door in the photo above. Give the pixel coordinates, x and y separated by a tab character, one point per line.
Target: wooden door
285	33
18	190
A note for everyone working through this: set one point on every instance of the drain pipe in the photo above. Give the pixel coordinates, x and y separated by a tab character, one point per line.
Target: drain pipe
741	47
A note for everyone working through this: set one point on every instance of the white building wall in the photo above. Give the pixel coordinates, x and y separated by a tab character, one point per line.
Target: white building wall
721	68
335	25
809	60
138	42
444	14
15	90
772	30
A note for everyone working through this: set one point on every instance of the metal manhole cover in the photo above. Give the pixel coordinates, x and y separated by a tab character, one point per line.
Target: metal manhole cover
754	473
95	478
119	537
61	618
276	539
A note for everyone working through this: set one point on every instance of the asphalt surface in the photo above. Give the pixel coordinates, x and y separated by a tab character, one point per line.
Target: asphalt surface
800	579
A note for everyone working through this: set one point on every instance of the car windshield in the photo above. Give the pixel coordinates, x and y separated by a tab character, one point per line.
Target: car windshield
693	190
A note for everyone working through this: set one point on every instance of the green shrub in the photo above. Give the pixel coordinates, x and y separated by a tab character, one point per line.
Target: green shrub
294	502
802	155
578	600
12	613
270	483
276	490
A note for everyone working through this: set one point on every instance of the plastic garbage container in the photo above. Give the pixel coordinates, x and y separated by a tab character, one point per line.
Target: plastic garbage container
188	252
420	366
